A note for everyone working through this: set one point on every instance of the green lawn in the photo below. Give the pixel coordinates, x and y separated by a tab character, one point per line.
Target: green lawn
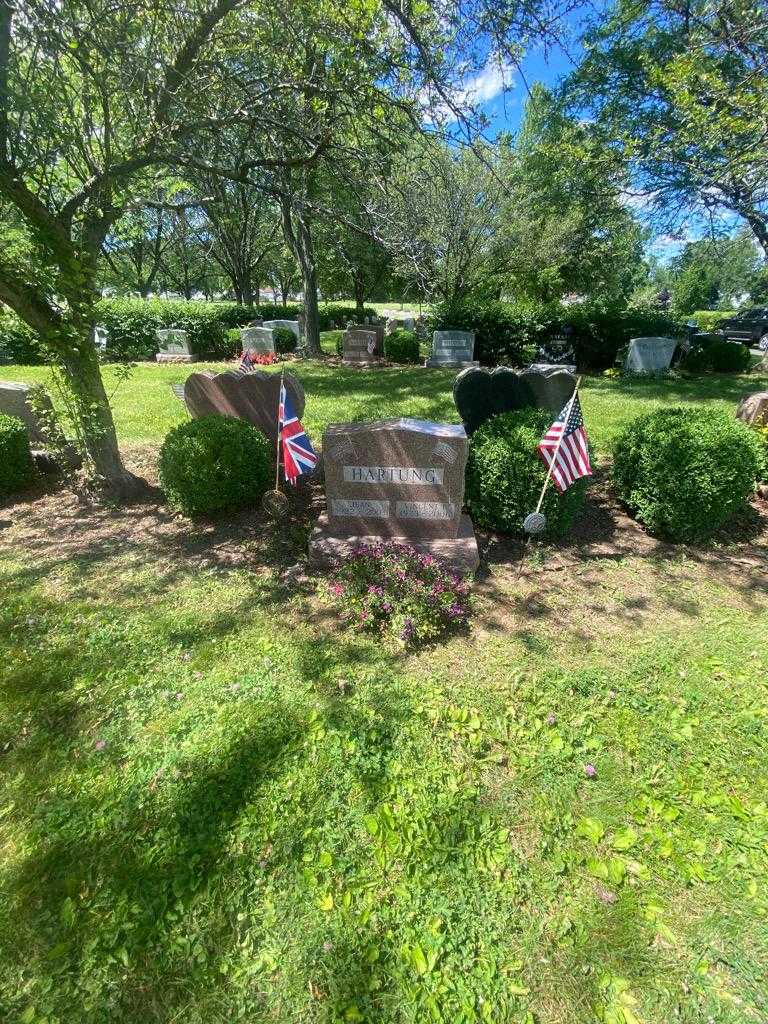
145	409
217	806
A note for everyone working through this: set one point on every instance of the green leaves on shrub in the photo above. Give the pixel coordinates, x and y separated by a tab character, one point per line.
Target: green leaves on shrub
509	333
719	355
285	340
685	472
17	468
215	464
402	346
505	475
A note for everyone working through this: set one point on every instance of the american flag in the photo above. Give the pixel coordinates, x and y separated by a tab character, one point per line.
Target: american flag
247	362
572	459
298	454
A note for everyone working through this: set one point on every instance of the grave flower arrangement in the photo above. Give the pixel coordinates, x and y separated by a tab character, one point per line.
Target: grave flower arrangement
392	590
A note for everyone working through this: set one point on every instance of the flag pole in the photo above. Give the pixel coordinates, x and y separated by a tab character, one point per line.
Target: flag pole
277	443
557	446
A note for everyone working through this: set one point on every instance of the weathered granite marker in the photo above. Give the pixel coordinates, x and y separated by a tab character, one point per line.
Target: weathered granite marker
397	479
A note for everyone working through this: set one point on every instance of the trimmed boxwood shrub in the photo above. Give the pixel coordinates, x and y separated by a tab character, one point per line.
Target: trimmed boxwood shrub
401	346
505	475
285	340
215	464
711	352
685	472
509	333
17	468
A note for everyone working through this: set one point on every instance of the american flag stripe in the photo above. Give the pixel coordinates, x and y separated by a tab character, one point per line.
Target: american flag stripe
569	457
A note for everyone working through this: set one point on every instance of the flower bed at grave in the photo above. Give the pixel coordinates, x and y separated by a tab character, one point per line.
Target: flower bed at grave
395	591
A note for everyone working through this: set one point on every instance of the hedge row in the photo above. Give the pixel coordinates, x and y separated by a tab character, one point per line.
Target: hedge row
132	326
509	333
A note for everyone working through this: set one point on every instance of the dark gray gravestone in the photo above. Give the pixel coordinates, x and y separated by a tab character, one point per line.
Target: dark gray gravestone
552	386
480	394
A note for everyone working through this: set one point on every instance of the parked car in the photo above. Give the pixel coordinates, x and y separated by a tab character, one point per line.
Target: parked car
750	327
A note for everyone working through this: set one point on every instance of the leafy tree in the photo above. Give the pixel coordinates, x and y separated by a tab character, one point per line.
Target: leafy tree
437	215
682	89
564	224
713	271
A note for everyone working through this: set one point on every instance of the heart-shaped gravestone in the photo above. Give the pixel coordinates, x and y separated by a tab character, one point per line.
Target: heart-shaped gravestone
552	388
246	396
480	394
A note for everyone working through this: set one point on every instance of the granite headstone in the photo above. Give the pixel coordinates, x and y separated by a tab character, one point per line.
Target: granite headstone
552	386
452	349
250	396
480	394
260	340
397	479
649	355
174	347
359	345
288	325
15	401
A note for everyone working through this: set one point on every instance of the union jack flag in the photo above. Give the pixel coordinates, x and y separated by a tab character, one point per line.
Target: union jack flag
298	454
564	447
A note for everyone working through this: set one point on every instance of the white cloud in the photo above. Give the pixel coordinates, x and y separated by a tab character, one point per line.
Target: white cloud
481	88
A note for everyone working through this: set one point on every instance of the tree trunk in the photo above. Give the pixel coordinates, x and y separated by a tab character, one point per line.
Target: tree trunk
92	415
359	298
298	236
284	289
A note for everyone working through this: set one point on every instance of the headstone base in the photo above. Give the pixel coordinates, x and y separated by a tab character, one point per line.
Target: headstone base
552	367
365	364
437	364
174	357
460	552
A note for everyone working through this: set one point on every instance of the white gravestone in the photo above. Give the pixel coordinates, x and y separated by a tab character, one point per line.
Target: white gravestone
100	338
260	340
452	348
288	325
174	347
649	355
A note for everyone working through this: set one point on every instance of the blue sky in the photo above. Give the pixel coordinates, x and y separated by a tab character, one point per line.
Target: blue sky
503	97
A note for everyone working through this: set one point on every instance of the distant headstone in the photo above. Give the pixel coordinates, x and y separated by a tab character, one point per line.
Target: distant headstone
260	340
174	347
753	409
649	355
15	401
552	385
359	345
288	325
399	479
452	349
379	331
246	396
100	338
557	350
391	326
480	394
256	322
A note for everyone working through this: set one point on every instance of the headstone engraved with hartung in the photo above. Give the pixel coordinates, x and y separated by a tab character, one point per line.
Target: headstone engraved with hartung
174	347
649	355
452	349
260	340
399	479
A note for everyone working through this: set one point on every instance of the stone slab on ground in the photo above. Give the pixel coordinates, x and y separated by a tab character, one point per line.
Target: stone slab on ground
460	553
168	357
